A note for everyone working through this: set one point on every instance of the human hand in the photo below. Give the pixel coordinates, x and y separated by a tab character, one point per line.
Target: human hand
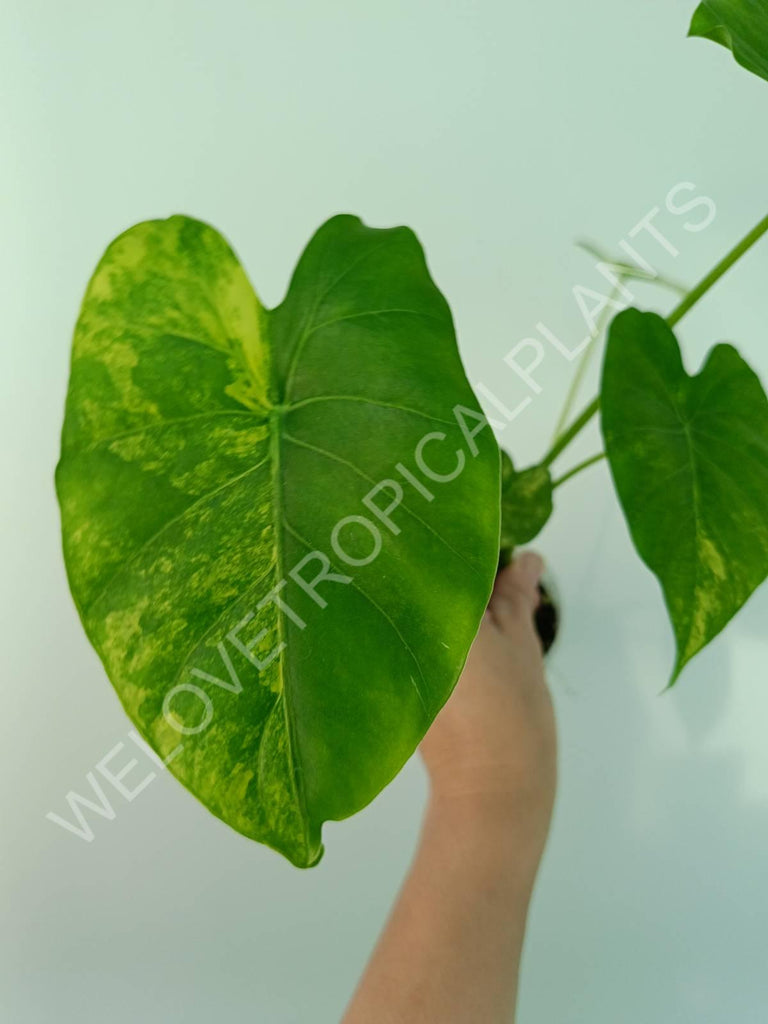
492	749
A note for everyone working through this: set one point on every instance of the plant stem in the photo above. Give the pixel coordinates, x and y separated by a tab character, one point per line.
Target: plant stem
627	273
565	439
583	364
714	275
674	317
577	469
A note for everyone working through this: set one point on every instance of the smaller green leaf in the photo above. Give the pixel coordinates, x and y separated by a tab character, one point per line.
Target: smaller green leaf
739	25
689	458
526	502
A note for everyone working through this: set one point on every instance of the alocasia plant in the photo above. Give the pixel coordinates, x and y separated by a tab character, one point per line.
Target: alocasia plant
281	585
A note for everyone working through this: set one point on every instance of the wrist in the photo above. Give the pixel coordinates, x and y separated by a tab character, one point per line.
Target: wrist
504	829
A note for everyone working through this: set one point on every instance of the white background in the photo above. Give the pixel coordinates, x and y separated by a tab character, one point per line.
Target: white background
500	131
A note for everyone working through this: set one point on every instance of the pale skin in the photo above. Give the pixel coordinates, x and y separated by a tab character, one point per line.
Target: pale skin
450	951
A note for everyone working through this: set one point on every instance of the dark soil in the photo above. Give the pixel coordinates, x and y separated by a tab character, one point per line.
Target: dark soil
546	619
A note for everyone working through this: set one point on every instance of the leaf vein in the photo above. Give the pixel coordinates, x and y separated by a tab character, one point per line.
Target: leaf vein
370	480
166	526
356	586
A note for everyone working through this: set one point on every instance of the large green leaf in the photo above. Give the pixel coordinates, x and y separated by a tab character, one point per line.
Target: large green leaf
210	446
740	25
526	503
689	458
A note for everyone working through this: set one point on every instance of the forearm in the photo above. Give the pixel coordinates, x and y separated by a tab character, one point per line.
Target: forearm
451	949
450	952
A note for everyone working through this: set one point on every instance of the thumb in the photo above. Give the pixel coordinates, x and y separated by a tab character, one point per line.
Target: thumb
516	591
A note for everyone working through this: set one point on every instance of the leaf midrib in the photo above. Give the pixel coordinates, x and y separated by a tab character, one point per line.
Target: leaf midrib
295	768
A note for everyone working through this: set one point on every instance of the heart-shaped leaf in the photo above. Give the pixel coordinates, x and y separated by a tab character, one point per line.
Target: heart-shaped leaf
526	503
739	25
280	528
689	458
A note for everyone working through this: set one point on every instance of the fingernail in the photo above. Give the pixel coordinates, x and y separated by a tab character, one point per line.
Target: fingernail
530	565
